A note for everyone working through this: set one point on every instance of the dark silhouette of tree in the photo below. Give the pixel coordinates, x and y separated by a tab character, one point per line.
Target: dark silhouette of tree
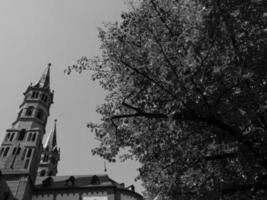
187	96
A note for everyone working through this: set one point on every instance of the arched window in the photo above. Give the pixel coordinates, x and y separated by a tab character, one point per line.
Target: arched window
42	173
29	111
40	114
6	152
35	94
44	98
29	153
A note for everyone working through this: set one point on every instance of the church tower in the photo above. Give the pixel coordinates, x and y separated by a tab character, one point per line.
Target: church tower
50	155
21	148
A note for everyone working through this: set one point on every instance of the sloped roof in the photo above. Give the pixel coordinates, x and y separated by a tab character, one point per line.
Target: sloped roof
59	182
44	81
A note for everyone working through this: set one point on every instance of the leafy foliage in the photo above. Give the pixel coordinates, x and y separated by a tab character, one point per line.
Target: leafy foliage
187	96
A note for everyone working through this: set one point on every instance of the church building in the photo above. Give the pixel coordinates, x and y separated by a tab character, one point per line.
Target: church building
28	167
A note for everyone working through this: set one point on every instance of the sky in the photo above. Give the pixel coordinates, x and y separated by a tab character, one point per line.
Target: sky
34	33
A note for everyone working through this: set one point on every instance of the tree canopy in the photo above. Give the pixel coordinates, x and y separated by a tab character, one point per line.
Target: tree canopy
187	96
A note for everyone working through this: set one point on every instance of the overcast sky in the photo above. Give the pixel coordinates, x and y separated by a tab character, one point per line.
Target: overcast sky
34	33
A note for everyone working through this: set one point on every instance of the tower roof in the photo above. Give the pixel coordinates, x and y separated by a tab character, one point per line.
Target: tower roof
51	141
44	81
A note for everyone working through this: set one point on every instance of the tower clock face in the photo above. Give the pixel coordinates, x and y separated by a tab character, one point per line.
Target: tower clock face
95	198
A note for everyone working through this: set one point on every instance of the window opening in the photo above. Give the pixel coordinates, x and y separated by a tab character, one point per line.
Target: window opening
45	99
14	150
35	95
45	158
29	153
12	136
7	137
22	134
33	136
29	111
29	137
42	173
6	152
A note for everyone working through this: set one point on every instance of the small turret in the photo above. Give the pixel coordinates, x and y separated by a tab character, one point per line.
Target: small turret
50	155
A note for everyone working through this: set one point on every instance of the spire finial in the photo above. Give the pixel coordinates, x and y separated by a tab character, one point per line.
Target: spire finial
44	82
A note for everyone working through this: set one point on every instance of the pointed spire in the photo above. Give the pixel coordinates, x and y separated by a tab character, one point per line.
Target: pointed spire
45	79
51	141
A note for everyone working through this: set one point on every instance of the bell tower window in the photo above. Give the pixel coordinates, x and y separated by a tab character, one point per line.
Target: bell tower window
44	98
12	136
35	95
29	111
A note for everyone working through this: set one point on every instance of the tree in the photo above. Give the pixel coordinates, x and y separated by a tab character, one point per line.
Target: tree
187	96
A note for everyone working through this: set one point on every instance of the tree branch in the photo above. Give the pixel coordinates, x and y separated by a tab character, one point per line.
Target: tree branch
160	16
146	76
